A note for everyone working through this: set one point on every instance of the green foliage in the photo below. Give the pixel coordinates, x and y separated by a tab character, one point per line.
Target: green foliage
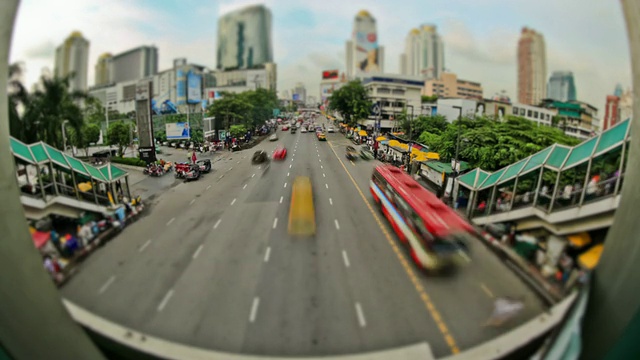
44	111
237	130
88	134
352	101
119	134
435	125
129	161
94	111
429	99
231	109
489	144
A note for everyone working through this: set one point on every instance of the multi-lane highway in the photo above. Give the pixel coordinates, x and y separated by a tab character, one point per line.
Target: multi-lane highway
212	265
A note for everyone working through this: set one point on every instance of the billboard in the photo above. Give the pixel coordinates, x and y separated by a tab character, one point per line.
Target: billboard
181	87
179	130
194	84
296	97
329	74
367	52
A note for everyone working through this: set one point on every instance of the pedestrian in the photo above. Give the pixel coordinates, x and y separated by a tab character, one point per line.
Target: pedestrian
194	158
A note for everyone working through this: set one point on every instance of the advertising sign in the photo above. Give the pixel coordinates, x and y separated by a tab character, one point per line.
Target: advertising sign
367	52
181	87
222	135
296	97
330	74
179	130
194	83
147	154
276	112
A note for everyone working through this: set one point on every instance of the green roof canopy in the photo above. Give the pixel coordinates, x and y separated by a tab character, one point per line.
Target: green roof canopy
556	157
40	152
445	167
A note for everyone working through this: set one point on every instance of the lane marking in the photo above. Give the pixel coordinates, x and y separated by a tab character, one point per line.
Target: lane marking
231	168
291	159
259	167
106	285
446	334
267	254
281	198
195	254
290	165
233	202
165	300
486	290
170	221
345	258
288	174
221	176
352	162
254	309
244	187
192	201
326	185
319	160
321	167
361	320
275	222
330	201
253	175
285	184
208	187
323	175
337	224
238	162
217	223
144	246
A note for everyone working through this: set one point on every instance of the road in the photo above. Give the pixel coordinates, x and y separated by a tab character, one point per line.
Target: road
212	265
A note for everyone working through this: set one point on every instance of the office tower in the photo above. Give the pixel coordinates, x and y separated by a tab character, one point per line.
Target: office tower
244	39
424	53
72	58
561	86
532	67
363	55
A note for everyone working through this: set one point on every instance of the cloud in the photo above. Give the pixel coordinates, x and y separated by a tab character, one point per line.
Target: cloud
43	50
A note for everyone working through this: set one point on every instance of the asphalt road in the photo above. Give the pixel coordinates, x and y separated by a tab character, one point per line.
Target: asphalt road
212	265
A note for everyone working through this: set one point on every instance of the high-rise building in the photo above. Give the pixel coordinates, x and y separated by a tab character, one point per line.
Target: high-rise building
102	69
363	55
423	53
561	86
133	64
72	57
611	112
532	67
244	39
300	93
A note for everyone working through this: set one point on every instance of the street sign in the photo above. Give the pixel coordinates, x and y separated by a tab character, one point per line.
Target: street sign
276	112
375	110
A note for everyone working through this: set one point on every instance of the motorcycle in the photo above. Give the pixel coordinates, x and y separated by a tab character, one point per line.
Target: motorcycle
235	147
153	170
204	165
192	174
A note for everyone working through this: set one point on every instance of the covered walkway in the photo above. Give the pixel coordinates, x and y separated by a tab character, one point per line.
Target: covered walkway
45	173
555	179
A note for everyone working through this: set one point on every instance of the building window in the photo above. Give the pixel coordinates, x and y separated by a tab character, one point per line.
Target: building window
515	111
384	91
529	113
535	114
398	92
547	117
521	111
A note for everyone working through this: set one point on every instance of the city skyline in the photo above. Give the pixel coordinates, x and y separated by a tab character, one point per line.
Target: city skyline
480	39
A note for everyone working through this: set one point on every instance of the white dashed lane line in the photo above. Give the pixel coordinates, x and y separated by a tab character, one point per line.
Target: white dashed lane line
361	320
208	187
106	285
330	201
192	201
195	254
144	246
233	202
253	175
285	184
244	187
345	258
217	223
170	221
165	300
281	198
326	185
267	254
275	222
254	309
337	224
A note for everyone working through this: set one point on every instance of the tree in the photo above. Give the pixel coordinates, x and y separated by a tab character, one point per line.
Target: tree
231	109
429	99
40	115
237	130
352	101
263	101
89	134
94	111
119	134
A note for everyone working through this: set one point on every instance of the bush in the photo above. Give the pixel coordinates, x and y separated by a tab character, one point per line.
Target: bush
128	161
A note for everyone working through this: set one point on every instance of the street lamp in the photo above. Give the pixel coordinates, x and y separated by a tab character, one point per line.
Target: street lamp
410	123
456	164
64	136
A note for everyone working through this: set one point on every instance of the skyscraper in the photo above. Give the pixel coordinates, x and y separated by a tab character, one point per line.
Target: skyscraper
561	86
244	39
72	57
532	67
423	53
102	69
133	64
363	55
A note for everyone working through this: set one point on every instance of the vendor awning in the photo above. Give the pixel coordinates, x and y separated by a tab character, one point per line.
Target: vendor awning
590	259
381	138
362	133
579	240
40	238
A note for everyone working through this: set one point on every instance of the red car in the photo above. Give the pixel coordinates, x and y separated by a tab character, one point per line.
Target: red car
280	153
285	128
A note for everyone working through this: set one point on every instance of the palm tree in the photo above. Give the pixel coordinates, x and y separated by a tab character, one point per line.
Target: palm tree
45	110
18	102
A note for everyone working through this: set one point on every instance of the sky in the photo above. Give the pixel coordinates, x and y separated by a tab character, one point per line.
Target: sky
480	37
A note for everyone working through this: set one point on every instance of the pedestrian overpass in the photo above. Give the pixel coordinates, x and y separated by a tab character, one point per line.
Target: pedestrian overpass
562	189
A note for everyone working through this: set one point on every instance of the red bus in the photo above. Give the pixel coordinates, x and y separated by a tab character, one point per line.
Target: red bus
435	234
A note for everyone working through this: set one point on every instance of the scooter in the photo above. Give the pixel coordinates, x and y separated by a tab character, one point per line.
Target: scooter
204	165
192	174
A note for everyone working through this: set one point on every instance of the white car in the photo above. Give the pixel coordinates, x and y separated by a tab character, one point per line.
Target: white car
330	129
303	130
273	137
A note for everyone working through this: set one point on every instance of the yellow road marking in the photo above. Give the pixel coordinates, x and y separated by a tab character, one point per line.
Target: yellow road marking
435	315
486	290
